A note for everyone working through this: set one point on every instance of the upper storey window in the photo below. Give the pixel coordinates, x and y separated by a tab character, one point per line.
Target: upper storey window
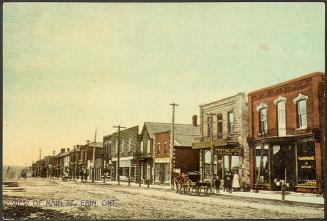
208	126
302	114
263	119
301	108
219	126
231	122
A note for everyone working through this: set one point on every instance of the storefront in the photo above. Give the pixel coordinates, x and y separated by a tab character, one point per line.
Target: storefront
162	170
226	157
292	159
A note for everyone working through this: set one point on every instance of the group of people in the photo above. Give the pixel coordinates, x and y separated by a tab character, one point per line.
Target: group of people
231	181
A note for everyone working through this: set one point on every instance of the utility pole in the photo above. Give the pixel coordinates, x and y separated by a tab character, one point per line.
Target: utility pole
212	148
171	152
93	160
40	150
118	154
85	162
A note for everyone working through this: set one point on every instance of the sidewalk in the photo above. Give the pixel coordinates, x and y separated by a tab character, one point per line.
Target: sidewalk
290	196
272	195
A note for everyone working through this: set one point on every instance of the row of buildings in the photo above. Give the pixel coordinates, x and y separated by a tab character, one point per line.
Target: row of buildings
273	134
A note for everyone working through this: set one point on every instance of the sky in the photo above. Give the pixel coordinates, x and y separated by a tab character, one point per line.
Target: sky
72	68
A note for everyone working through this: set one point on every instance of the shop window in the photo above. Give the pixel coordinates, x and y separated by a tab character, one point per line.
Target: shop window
231	122
262	165
302	114
235	164
219	126
157	172
167	172
263	121
306	164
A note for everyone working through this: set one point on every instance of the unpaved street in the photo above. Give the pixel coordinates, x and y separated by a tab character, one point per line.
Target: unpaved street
112	201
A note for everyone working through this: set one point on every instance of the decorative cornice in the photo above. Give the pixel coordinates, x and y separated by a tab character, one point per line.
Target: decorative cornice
279	99
261	105
300	97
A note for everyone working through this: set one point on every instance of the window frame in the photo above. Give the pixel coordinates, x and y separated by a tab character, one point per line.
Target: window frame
231	129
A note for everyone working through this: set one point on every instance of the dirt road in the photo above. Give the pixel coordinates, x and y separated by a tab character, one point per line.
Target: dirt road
47	198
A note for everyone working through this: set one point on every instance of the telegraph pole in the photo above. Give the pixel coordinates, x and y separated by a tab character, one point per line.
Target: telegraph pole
118	154
93	160
212	148
40	150
172	144
85	162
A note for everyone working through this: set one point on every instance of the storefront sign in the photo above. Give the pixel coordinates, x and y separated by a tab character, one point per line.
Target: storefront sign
202	144
208	144
230	151
306	158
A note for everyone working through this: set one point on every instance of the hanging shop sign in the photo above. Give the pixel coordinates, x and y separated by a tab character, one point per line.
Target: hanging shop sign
209	143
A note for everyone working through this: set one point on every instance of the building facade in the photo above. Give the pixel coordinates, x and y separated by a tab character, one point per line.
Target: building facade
128	167
287	134
145	151
185	159
223	143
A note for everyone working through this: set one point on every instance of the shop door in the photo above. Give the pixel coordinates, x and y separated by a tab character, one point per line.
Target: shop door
283	164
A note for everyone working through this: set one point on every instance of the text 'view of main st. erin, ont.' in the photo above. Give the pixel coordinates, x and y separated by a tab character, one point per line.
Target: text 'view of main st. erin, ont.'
268	139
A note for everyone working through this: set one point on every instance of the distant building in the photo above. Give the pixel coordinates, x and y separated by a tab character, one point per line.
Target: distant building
128	167
287	134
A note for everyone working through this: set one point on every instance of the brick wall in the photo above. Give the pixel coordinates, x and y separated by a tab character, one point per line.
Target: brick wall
187	159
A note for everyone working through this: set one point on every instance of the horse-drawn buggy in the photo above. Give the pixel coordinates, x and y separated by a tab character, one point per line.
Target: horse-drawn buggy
190	183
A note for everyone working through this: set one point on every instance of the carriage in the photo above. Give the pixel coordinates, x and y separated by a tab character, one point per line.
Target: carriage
190	183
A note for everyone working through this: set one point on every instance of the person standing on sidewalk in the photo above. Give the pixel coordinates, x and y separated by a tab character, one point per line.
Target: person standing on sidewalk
217	184
236	181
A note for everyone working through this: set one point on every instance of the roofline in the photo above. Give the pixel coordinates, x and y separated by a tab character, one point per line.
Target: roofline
310	75
108	135
238	94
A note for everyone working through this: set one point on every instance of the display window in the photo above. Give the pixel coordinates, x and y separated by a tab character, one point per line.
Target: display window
306	163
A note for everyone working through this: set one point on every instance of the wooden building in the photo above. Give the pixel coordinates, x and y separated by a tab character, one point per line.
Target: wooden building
128	167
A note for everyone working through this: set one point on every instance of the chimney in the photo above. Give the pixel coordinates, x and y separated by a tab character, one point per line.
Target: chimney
67	149
62	150
195	120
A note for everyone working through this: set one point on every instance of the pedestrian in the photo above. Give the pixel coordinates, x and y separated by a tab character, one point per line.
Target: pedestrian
229	182
236	181
217	184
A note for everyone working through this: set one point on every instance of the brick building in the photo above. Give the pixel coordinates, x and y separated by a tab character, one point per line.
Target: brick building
285	121
185	159
223	143
146	147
